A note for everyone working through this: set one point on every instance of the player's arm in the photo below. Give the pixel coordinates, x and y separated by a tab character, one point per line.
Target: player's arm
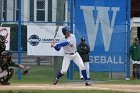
87	49
59	45
22	67
24	70
62	44
81	50
16	65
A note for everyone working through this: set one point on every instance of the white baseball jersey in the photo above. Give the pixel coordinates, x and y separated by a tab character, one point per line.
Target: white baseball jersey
71	47
70	53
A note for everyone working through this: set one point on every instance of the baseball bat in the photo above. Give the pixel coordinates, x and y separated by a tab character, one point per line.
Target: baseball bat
56	30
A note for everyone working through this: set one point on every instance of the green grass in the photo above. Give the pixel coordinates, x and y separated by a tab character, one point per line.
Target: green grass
60	91
37	74
45	75
93	75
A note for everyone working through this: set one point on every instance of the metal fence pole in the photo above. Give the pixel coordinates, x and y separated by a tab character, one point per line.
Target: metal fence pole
128	41
71	26
19	37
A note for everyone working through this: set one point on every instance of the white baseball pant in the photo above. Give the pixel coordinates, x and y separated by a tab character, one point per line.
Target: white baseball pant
75	58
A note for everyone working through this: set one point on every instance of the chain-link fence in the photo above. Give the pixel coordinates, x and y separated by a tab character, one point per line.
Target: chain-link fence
22	13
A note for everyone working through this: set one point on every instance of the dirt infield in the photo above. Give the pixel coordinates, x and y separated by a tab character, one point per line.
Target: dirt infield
109	87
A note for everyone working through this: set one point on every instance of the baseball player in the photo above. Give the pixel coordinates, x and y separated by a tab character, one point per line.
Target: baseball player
68	42
83	49
135	55
6	70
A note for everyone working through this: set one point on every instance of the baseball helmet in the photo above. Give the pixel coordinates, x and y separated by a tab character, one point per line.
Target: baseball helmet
83	39
6	53
65	29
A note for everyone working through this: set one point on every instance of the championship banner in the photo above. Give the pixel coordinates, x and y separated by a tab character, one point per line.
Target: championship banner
103	24
39	40
5	31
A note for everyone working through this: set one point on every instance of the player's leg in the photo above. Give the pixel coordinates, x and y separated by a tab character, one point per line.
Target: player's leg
78	61
3	74
87	69
65	65
134	71
86	64
9	76
138	69
81	76
6	75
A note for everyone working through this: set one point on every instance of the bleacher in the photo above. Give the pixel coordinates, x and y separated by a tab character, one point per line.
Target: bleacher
32	60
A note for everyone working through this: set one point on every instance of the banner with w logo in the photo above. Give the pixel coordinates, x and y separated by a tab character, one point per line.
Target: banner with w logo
103	24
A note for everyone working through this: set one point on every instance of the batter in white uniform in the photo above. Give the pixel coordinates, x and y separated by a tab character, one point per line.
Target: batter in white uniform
68	42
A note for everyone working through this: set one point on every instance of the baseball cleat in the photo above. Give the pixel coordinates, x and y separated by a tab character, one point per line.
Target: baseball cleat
87	84
88	78
55	81
81	78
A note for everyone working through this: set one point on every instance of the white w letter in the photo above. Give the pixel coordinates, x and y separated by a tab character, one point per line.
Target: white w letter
103	18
